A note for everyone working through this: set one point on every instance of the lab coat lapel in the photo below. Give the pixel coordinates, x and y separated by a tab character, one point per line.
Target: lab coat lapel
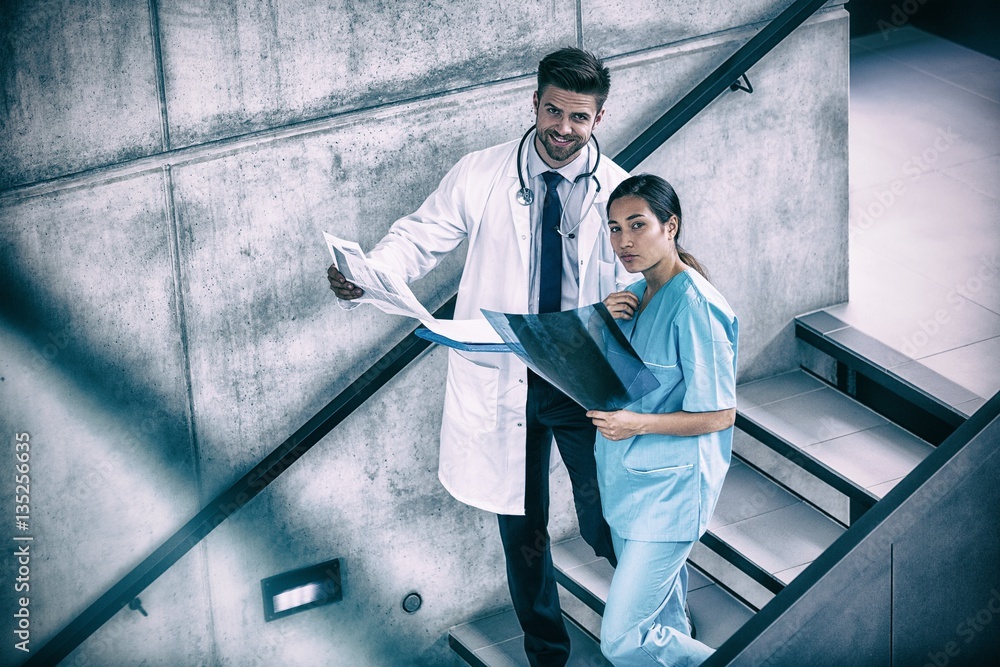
521	215
589	235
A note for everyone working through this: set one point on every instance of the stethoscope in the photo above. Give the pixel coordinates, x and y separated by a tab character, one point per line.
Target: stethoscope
525	196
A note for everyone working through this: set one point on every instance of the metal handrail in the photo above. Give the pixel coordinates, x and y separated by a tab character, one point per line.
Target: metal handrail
723	78
235	497
386	368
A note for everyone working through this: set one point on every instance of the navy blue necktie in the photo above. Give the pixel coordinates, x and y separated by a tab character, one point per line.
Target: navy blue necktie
550	274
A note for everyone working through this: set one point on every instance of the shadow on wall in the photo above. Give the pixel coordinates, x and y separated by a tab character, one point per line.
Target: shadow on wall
129	493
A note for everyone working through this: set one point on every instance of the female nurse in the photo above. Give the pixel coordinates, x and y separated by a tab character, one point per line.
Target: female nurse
661	462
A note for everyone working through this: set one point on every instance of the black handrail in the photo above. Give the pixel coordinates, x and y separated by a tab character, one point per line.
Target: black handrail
235	497
386	368
717	82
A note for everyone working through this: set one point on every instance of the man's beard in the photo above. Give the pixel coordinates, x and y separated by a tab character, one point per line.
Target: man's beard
560	153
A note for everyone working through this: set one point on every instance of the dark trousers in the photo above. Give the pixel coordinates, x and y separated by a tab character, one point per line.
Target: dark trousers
530	574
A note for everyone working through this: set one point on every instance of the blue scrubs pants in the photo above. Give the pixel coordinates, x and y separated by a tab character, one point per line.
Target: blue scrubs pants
644	622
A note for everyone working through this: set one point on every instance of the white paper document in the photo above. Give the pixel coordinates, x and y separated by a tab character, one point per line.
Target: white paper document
389	293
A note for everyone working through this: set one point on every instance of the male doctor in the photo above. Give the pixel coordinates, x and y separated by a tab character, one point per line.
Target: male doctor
529	252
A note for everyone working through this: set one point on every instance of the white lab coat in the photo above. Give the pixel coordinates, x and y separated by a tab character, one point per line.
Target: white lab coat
483	428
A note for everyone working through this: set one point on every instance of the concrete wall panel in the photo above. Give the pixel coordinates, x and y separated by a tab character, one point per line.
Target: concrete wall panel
176	630
90	271
232	68
77	87
612	27
369	495
763	189
93	371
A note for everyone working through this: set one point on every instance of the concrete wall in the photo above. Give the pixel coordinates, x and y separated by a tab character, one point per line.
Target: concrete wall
166	169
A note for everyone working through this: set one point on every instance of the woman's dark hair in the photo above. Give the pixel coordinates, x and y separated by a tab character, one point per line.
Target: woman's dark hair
663	202
577	71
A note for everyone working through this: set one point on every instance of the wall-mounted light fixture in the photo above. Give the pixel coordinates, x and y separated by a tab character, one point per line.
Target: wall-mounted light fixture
298	590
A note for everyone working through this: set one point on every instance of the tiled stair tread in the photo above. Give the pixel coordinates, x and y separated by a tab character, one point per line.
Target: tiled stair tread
822	321
497	641
845	436
903	368
745	494
814	416
786	576
969	407
577	611
879	490
716	613
935	384
767	524
870	348
779	540
775	388
873	456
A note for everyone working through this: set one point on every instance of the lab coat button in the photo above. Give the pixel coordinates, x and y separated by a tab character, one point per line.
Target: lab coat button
519	424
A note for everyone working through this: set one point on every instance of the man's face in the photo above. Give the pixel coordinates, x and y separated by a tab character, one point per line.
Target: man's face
564	123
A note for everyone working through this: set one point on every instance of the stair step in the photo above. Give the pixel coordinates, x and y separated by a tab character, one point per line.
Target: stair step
768	532
497	640
847	445
582	572
897	372
716	612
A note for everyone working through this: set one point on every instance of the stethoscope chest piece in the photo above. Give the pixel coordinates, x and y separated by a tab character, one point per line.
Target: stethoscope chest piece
525	197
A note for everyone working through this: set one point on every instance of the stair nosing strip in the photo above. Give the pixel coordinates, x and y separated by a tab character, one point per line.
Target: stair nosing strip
877	373
742	562
715	582
814	467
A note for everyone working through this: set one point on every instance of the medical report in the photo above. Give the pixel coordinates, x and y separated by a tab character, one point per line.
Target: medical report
389	293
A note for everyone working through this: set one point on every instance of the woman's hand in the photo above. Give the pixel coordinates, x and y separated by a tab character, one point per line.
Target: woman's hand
622	305
617	425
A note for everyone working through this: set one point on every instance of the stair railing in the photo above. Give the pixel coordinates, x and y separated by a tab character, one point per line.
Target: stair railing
725	77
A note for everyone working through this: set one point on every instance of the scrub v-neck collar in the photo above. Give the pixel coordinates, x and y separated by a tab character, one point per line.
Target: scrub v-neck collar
631	325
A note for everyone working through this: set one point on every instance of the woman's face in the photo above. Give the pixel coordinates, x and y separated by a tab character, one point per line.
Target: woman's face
638	237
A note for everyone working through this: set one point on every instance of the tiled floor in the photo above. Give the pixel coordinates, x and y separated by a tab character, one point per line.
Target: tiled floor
925	203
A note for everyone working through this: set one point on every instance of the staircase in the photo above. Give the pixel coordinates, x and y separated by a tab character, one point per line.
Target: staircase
813	450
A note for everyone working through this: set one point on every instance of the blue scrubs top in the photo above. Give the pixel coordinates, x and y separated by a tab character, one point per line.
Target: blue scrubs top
663	488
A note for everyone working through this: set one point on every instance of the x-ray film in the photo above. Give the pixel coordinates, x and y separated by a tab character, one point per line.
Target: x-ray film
582	352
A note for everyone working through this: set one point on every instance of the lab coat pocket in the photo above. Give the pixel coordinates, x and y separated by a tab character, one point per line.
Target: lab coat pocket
472	392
